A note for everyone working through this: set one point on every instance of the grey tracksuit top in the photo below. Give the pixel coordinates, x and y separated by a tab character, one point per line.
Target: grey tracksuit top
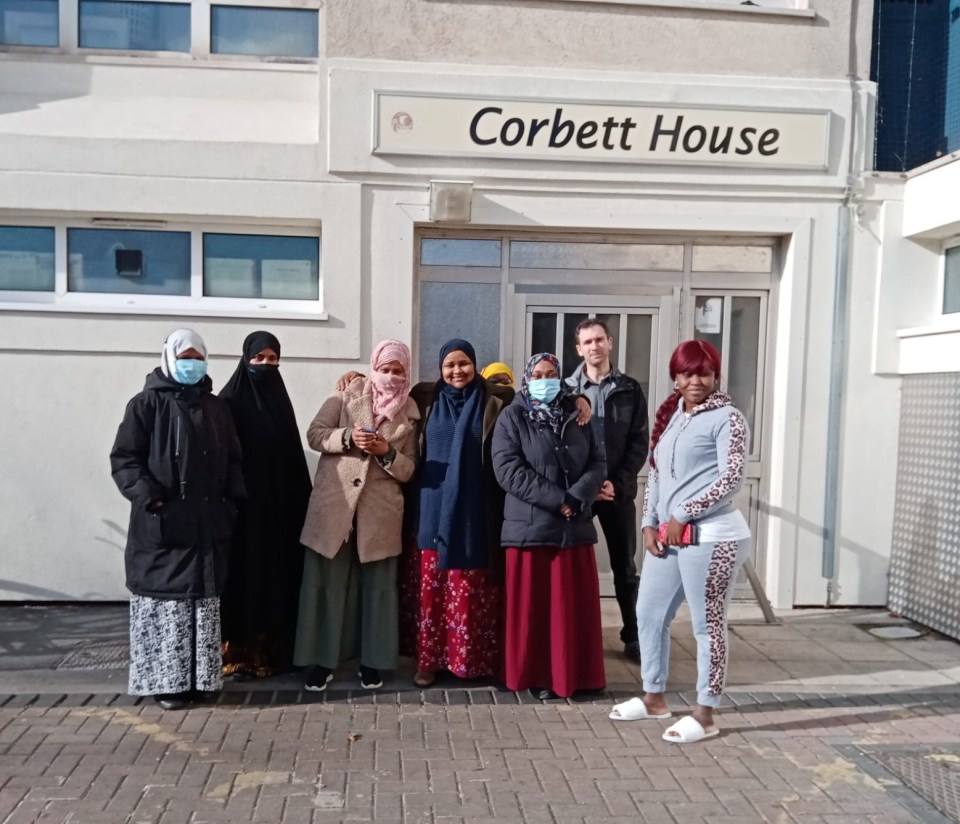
699	464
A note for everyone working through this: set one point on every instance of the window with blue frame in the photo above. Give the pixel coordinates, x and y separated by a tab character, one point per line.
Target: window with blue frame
134	26
282	267
268	32
27	259
30	22
128	261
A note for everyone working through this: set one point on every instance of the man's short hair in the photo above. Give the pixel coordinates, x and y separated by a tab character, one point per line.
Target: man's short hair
589	322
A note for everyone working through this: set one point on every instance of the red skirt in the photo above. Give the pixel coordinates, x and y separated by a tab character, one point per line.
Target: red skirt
449	618
553	636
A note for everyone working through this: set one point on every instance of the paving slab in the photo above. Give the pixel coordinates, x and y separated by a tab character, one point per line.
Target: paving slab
822	722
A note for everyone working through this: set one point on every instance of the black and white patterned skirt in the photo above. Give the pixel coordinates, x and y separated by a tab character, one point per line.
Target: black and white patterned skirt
174	645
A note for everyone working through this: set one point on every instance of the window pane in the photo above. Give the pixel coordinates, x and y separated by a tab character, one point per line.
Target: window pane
951	281
708	320
732	259
107	24
261	266
639	341
29	22
94	265
26	259
569	359
455	252
275	32
450	310
744	358
537	254
543	336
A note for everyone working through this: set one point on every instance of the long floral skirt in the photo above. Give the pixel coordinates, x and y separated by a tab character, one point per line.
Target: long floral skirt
450	618
553	626
174	645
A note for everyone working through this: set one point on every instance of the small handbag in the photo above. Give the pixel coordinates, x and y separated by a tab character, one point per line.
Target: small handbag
690	537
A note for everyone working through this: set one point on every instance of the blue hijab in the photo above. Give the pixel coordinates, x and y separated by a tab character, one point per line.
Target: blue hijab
451	480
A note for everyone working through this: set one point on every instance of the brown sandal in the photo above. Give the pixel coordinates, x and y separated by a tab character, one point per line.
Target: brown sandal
424	678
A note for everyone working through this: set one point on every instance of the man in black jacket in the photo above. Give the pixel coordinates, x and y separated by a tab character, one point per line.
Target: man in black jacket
620	422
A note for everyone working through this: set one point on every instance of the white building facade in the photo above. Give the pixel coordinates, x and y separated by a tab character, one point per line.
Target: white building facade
679	169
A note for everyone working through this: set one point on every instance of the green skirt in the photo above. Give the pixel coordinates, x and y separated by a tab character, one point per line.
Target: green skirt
347	610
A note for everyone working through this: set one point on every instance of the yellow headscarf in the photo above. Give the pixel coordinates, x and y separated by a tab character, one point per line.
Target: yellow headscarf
495	369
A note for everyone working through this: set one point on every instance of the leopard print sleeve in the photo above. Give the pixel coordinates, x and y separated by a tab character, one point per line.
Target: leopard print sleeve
731	458
651	492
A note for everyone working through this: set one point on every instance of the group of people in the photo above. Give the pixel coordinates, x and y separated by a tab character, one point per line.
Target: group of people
452	521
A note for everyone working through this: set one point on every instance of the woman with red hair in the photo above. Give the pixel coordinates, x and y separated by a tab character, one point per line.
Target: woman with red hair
696	538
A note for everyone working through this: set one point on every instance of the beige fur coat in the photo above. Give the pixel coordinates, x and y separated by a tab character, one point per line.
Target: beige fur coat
351	482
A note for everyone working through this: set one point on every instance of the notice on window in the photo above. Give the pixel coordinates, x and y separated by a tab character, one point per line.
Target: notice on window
288	280
708	317
230	277
25	270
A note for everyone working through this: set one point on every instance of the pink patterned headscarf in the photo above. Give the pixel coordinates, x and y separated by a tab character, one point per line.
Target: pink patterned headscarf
390	392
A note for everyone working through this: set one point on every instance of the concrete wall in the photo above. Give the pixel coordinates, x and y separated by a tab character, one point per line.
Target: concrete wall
608	37
154	118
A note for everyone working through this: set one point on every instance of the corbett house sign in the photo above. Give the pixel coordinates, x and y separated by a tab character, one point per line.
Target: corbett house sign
622	133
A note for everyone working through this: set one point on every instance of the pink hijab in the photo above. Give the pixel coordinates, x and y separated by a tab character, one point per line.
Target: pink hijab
390	392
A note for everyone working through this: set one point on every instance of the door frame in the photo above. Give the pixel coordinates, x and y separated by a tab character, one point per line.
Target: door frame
548	287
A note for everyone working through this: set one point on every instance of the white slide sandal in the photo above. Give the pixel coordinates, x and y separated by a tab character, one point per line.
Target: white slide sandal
688	731
635	710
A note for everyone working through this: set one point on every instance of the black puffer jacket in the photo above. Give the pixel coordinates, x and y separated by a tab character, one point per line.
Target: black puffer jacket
539	471
177	444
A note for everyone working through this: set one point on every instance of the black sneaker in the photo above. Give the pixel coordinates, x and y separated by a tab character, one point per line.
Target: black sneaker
370	678
318	678
205	696
542	693
631	651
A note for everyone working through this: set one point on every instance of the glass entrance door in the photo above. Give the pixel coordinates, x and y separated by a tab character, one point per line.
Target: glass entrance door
735	322
634	324
517	293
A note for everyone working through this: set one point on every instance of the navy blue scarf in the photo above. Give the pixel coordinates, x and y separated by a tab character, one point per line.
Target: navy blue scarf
451	480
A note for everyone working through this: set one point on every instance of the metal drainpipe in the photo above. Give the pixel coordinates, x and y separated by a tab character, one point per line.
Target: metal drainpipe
835	408
838	351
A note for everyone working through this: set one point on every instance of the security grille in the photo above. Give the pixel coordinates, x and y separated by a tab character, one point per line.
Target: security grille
925	558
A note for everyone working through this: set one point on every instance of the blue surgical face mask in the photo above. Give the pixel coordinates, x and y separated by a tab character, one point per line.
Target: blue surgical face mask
189	371
543	389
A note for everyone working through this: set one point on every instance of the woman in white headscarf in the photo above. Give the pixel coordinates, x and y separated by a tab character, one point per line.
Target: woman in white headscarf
177	460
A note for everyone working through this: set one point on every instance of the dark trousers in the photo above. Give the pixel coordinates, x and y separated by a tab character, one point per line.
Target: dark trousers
618	520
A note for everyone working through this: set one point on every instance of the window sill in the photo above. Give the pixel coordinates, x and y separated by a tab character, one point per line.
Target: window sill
253	312
948	324
162	59
707	5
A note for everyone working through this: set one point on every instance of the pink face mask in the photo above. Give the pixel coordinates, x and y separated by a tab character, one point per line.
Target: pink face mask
390	392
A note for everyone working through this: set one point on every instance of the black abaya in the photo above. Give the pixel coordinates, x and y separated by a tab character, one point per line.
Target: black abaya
259	607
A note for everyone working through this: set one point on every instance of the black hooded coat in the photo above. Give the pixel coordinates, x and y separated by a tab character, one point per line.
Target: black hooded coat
177	445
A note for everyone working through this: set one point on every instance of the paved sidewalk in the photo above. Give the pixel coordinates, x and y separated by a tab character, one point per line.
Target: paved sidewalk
825	723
